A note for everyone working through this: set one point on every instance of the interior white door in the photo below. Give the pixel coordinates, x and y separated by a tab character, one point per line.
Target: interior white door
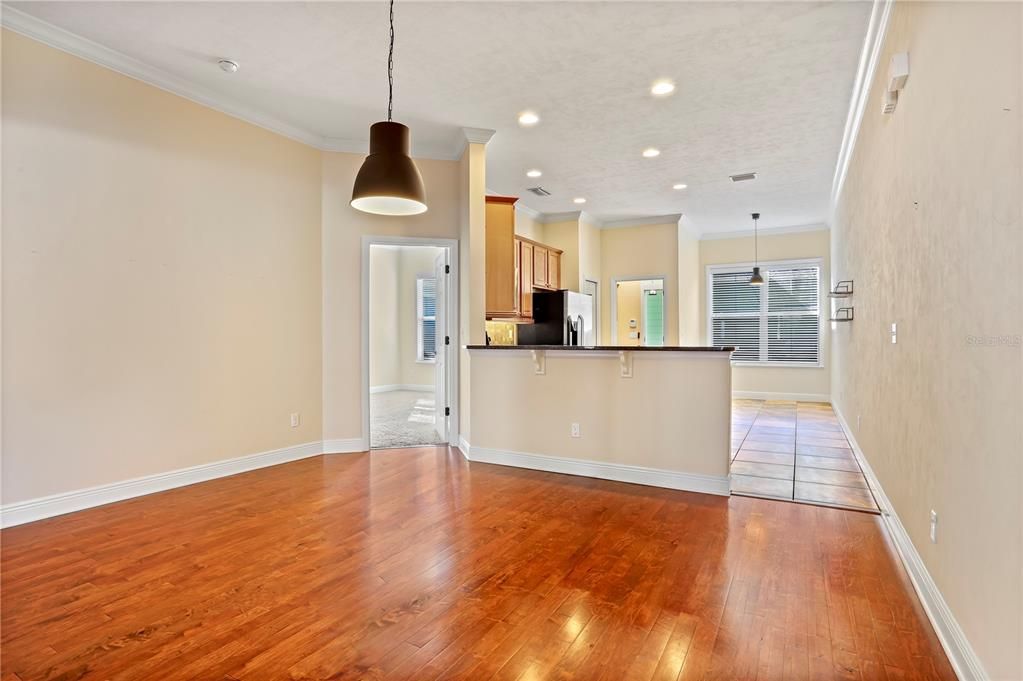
440	377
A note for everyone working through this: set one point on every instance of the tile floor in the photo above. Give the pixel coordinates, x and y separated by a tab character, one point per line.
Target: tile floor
795	451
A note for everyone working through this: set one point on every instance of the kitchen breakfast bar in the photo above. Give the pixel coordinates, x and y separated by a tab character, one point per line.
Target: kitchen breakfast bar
656	416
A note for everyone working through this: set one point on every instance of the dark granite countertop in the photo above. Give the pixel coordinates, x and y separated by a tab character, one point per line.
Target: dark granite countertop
609	348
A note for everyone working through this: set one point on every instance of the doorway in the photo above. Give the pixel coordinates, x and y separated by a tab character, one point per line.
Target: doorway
408	299
638	312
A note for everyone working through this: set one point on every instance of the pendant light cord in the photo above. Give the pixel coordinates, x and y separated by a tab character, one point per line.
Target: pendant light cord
756	251
390	68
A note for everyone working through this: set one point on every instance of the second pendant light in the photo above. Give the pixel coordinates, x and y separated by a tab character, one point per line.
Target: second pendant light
756	279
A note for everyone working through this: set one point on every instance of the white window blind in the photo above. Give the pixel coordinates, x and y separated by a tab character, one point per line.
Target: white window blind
426	319
777	323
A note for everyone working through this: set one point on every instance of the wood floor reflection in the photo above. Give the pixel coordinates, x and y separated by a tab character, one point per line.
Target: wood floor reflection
414	564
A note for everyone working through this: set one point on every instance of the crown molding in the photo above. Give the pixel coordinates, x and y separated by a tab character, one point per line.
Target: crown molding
765	231
477	135
66	41
567	216
526	210
472	136
672	218
877	29
689	229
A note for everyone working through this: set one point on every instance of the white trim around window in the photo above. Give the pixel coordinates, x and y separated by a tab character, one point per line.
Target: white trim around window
759	331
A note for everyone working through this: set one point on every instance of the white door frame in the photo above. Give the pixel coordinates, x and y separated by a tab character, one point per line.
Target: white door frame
596	308
451	315
614	304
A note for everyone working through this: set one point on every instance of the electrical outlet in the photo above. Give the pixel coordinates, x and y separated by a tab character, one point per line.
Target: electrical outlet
295	420
895	333
934	526
575	430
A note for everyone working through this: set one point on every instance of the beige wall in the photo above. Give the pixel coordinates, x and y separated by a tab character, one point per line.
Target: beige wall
393	336
565	236
628	305
415	261
647	250
343	229
673	414
528	227
804	381
929	226
384	335
161	279
472	183
689	287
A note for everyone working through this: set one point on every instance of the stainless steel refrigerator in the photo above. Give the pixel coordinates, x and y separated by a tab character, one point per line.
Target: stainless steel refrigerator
560	318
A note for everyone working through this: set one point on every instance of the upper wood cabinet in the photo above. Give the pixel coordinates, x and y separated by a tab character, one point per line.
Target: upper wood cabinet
501	296
540	266
525	278
554	270
515	265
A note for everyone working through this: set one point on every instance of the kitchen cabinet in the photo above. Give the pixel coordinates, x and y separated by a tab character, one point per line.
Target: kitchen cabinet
553	270
515	265
502	299
539	266
525	280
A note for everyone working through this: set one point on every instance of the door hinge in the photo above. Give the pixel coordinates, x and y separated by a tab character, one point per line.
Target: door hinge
447	340
447	269
447	411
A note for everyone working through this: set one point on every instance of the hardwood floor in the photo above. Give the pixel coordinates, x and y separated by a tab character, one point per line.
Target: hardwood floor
413	564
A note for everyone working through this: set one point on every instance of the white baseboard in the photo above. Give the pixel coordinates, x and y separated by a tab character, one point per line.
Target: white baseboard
960	653
355	444
417	387
58	504
787	397
653	477
464	447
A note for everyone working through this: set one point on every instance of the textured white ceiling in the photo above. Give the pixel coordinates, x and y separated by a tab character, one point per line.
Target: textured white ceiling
762	86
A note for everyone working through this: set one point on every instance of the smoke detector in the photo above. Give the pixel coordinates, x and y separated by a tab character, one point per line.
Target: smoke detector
743	177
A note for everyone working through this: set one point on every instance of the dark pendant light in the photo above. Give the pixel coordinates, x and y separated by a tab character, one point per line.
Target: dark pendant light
389	182
756	279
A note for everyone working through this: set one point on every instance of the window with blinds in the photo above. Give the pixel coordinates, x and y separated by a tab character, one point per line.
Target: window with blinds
777	323
426	319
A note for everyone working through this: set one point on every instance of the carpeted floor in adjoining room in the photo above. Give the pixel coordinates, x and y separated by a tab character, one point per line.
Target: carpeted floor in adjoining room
402	418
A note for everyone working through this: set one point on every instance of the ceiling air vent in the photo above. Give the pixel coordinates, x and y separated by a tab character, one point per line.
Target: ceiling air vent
742	177
539	191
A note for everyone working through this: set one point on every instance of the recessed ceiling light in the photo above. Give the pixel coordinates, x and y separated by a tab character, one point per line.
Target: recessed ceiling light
650	152
228	65
579	199
528	118
533	173
679	186
662	88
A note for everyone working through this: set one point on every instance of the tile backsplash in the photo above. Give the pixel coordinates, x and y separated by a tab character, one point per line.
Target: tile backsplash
502	333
